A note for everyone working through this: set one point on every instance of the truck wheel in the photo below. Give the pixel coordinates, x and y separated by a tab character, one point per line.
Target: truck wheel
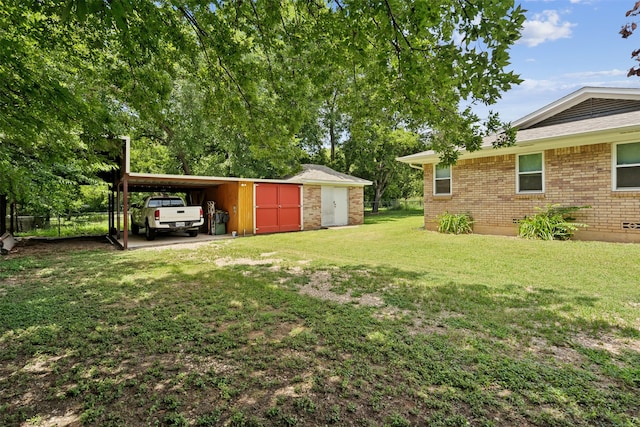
135	228
193	233
149	233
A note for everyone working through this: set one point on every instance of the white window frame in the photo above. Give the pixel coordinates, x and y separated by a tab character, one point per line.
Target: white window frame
518	174
450	178
615	166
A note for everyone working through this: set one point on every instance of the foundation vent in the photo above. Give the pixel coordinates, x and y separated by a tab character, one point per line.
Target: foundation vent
631	226
516	220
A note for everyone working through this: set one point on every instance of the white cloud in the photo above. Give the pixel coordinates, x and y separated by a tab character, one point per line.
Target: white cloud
543	27
591	74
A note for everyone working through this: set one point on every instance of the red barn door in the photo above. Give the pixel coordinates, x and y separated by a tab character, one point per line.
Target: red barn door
277	208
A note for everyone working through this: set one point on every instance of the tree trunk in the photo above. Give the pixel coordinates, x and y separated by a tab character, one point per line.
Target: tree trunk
11	217
376	199
184	163
332	126
332	138
3	213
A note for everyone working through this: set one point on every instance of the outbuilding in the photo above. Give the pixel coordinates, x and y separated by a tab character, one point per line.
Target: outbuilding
317	197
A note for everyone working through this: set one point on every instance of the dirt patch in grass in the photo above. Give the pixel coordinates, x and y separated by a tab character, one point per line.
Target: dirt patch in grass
217	353
609	343
41	246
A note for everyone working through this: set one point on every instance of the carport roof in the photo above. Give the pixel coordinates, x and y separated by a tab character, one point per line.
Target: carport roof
166	182
311	174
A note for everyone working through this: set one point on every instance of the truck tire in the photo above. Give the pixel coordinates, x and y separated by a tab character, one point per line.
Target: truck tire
149	233
135	228
193	233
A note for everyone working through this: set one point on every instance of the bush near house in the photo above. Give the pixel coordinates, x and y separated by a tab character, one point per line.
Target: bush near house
552	222
461	223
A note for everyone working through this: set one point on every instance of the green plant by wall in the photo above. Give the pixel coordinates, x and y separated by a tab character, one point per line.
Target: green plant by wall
461	223
552	222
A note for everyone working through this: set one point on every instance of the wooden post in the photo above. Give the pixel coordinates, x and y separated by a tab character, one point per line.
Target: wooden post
12	230
3	213
125	212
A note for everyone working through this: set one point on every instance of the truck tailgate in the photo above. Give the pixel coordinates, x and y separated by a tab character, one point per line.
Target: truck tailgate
188	213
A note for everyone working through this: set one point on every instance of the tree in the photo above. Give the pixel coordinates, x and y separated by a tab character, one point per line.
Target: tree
371	153
76	73
264	58
626	31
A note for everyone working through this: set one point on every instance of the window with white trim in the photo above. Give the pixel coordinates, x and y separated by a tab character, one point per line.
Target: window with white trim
442	180
627	166
530	171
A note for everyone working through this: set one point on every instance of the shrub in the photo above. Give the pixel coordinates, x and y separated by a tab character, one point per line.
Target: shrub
550	223
461	223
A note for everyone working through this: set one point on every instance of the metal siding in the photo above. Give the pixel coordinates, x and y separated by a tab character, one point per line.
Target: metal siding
289	207
277	208
245	208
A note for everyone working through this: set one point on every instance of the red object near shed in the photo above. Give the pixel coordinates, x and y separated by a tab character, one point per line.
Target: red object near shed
278	208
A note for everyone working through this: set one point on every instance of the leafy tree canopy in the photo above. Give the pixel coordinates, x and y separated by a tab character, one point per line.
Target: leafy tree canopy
76	73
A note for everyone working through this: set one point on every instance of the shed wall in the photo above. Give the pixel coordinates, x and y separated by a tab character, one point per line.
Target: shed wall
356	205
312	206
575	176
245	209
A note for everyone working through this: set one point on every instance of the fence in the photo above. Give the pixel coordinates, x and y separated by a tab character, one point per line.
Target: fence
61	225
397	204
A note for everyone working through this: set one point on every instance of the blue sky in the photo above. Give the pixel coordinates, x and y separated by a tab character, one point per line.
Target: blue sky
568	44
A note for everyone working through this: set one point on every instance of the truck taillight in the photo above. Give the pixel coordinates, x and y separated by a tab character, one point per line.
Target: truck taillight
201	213
157	214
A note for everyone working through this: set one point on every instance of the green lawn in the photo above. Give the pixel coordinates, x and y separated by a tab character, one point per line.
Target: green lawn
382	325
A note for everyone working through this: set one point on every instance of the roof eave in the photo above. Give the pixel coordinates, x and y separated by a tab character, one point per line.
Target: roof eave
622	134
574	99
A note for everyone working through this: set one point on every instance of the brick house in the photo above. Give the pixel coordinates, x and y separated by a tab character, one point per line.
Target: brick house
583	149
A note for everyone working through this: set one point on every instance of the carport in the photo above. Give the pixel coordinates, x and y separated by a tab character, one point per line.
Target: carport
234	195
316	198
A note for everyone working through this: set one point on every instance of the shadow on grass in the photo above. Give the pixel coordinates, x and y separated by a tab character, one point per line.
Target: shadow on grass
120	340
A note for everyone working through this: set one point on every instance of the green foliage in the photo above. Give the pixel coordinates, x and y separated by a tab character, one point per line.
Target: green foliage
236	88
461	223
423	330
552	222
370	153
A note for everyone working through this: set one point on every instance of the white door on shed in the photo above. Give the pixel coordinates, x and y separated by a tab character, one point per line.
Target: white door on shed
335	206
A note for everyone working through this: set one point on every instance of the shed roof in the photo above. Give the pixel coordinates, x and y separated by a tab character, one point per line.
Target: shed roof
319	174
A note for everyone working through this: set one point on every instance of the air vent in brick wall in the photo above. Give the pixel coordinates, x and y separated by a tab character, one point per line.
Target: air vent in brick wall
516	220
631	226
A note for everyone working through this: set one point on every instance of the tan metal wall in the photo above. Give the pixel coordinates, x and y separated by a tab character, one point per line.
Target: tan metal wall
244	217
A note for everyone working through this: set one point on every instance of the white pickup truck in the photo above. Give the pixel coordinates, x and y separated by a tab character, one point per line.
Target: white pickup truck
164	214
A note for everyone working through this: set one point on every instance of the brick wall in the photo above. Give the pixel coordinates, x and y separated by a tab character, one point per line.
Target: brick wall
312	215
312	211
575	176
356	205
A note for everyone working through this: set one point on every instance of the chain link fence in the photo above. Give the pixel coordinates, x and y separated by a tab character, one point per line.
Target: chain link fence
397	204
60	225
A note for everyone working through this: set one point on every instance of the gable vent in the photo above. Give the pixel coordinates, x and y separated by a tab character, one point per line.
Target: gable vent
591	108
631	226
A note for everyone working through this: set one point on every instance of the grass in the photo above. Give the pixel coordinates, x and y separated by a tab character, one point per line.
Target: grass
383	325
95	224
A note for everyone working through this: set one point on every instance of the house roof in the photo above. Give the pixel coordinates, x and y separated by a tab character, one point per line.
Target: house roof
575	98
580	118
318	174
